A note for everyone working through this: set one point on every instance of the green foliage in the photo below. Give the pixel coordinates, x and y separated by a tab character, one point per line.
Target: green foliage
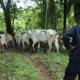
70	19
59	15
2	23
27	19
30	17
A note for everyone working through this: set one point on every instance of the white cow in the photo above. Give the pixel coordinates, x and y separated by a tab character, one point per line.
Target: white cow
18	38
3	41
49	36
10	39
25	39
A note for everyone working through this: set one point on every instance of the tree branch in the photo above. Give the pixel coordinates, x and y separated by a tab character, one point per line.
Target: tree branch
2	4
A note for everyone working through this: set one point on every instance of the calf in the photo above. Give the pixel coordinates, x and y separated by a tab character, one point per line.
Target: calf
25	39
18	38
10	40
3	41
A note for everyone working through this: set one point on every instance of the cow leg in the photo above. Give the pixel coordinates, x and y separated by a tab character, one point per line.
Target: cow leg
27	42
50	46
13	43
2	48
38	45
23	45
18	43
33	45
56	43
6	44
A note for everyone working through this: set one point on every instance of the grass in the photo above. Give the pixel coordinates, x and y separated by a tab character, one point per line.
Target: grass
14	66
55	63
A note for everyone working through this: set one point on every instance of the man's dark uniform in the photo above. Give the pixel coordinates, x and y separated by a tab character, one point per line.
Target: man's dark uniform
73	68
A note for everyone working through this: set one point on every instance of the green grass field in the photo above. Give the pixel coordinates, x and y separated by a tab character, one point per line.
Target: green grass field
55	63
14	66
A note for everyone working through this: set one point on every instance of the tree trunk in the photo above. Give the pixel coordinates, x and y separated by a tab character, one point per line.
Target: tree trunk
77	12
64	24
46	14
43	14
7	18
52	14
13	18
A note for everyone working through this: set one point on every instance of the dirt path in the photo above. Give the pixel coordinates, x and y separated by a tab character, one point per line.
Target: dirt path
44	72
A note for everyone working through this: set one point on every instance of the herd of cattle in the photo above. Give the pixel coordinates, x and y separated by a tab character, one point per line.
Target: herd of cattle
49	36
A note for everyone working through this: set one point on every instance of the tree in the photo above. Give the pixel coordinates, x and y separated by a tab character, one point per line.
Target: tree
44	14
43	5
13	13
76	6
7	6
52	13
64	23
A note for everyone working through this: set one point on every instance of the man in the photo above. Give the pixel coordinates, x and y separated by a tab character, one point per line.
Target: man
71	39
